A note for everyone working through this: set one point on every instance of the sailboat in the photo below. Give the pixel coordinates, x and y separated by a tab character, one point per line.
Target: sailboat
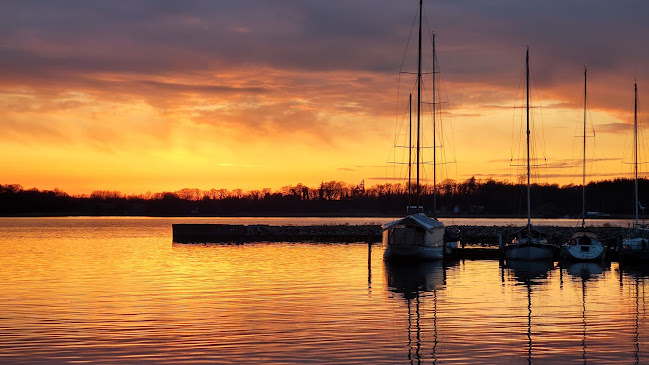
416	236
529	243
637	246
583	245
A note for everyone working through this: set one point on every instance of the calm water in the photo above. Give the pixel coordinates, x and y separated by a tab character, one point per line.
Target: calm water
116	290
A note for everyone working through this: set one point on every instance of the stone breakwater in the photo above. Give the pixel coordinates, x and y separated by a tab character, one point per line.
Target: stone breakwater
489	235
199	233
472	235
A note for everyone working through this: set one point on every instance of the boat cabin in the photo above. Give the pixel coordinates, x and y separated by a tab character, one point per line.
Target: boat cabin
414	230
529	232
582	238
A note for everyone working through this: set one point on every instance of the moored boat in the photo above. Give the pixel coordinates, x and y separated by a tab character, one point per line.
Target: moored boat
416	236
529	244
583	245
451	240
636	246
635	249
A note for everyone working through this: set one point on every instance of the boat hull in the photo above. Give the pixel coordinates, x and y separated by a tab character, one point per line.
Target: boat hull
413	253
451	247
635	249
529	251
593	252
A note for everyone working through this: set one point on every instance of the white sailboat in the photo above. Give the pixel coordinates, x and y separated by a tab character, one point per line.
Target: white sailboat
416	236
583	245
529	244
636	248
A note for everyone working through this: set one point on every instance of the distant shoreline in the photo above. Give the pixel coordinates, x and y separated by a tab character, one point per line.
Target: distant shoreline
249	215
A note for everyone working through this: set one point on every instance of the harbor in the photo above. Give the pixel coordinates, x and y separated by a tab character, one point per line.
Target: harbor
313	182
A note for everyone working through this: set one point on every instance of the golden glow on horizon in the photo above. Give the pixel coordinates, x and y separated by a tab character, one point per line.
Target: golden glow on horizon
80	141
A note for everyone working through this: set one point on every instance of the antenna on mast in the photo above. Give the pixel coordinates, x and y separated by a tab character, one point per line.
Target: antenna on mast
419	102
410	151
635	151
527	113
583	186
434	138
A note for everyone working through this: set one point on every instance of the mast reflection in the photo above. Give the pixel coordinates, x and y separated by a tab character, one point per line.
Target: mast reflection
530	274
413	281
637	274
584	272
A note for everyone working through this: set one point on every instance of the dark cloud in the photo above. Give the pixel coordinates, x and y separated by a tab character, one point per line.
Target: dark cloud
159	49
476	37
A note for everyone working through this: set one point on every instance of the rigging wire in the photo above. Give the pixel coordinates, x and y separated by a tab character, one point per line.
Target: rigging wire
397	125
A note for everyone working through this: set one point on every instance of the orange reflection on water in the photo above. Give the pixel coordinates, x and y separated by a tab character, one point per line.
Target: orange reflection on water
117	290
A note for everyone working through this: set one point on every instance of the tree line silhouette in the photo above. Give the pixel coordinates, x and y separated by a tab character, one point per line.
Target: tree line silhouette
486	197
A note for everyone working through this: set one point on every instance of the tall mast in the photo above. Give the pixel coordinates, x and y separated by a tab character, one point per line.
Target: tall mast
434	139
583	182
635	151
410	151
419	101
527	112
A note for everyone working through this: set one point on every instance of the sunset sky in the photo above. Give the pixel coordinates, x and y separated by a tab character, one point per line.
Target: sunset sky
141	96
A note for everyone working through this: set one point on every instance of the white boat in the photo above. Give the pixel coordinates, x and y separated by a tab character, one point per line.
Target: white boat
416	236
636	246
583	245
529	244
635	249
451	240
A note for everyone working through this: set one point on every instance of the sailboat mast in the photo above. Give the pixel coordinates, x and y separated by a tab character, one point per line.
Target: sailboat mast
410	151
583	182
434	138
527	113
635	151
419	100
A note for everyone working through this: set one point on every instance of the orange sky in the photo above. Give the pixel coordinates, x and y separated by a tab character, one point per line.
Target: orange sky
159	96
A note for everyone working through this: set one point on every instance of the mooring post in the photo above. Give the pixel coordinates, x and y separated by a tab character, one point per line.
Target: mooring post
369	264
500	241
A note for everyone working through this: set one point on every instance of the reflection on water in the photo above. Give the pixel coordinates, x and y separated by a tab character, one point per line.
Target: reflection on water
117	291
411	281
583	272
529	273
638	273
